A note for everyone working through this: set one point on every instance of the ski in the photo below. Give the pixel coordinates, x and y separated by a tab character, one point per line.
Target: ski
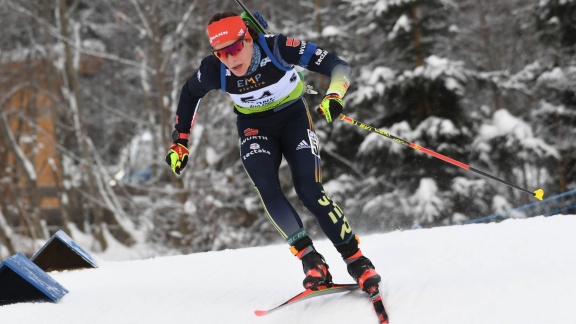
307	294
379	306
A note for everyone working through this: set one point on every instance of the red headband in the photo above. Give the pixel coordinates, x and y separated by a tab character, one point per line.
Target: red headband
226	29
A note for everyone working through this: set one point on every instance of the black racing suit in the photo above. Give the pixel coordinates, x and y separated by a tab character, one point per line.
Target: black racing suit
274	121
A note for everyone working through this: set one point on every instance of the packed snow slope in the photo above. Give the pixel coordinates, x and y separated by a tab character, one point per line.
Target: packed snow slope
516	271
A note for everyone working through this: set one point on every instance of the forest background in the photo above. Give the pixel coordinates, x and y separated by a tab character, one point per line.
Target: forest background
491	83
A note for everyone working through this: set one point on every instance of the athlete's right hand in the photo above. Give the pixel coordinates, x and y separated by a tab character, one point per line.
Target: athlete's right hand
177	156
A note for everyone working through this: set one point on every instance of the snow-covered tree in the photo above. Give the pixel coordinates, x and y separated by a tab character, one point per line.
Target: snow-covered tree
405	87
555	114
489	83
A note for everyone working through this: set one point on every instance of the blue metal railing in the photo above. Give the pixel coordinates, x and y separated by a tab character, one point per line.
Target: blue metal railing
564	203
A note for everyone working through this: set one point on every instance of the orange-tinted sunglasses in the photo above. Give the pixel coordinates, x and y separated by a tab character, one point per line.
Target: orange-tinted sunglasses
232	49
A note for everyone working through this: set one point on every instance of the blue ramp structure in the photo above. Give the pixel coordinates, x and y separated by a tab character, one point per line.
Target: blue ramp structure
23	281
61	253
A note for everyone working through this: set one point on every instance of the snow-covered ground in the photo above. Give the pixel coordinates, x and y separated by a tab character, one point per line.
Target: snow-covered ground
516	271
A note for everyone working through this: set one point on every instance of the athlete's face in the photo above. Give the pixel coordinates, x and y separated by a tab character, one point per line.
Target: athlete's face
236	55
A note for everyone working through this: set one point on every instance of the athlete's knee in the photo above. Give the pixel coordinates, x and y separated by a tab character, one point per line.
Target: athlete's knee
309	193
267	188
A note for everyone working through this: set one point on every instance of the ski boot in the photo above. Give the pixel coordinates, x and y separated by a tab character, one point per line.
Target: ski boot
363	272
313	264
316	271
360	267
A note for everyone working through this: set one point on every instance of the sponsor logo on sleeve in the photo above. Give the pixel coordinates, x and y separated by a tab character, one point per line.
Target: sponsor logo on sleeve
302	48
292	42
321	55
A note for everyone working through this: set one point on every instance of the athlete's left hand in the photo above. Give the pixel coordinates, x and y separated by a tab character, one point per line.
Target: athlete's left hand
331	107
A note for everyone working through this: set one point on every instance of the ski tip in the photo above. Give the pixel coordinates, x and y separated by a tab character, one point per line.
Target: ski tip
260	312
539	194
